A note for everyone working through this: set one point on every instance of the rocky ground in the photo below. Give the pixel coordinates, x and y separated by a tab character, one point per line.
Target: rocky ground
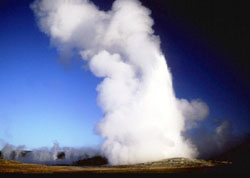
173	165
179	163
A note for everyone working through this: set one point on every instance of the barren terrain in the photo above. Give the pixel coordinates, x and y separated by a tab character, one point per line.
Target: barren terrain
174	165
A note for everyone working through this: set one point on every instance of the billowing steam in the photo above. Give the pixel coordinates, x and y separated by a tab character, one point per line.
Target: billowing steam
54	155
143	120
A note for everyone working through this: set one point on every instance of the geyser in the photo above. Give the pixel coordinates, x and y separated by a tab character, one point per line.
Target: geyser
143	120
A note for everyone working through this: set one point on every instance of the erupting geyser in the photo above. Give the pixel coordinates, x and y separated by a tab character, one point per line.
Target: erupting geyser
143	120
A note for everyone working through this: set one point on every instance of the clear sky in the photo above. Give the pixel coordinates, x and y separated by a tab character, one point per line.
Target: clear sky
43	100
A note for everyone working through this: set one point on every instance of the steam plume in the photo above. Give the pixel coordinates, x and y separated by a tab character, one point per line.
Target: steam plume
143	120
47	155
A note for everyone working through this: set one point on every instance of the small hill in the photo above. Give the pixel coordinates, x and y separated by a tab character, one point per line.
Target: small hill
181	162
93	161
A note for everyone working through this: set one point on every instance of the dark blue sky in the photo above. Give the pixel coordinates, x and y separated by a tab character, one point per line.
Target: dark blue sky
206	44
42	100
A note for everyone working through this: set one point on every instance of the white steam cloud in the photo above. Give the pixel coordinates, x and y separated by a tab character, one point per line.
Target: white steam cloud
47	155
143	120
211	143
